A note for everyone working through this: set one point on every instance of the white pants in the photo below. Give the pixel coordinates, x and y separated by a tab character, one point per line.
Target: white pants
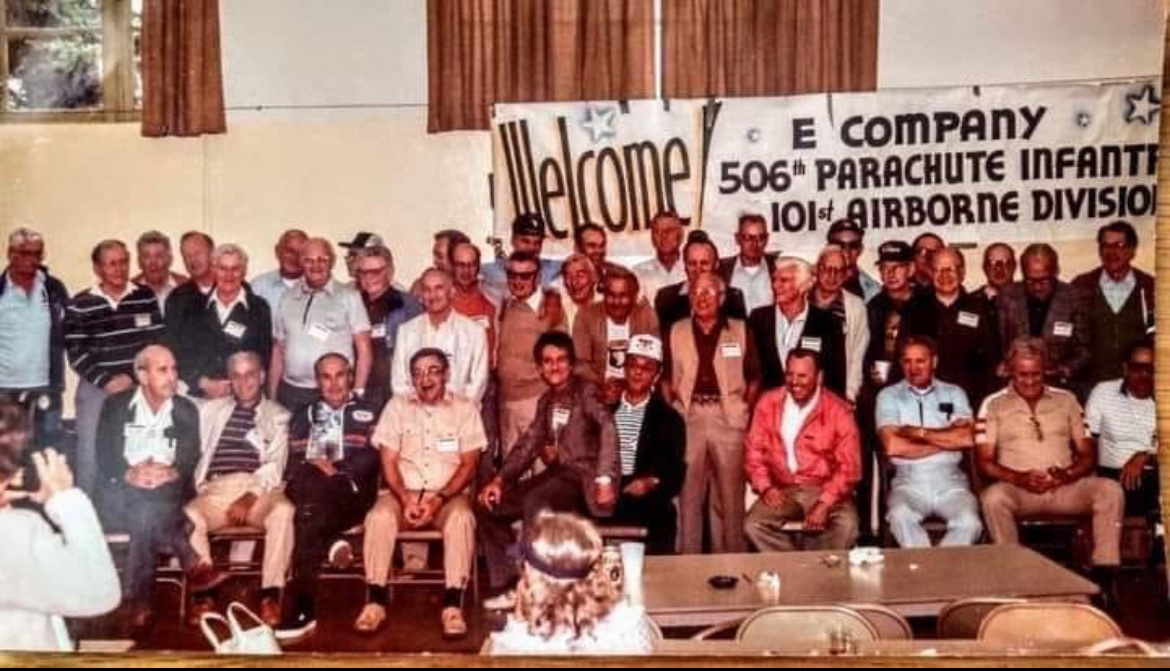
919	493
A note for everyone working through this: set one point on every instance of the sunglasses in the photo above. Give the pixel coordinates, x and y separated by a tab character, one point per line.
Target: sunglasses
1036	427
513	275
1140	366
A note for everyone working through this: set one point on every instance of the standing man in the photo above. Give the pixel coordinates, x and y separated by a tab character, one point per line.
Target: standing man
795	324
462	340
319	316
714	382
154	261
666	268
602	334
105	327
999	269
388	309
271	285
32	351
579	281
849	236
1044	307
1119	300
188	299
925	247
751	271
528	232
801	457
673	304
430	441
233	319
849	315
925	425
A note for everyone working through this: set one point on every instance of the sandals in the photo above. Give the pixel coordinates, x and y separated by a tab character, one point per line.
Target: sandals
371	619
454	626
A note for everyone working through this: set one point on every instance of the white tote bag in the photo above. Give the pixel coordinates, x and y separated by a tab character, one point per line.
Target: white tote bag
257	639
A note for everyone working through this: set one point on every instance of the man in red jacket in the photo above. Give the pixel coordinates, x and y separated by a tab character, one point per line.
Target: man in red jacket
802	456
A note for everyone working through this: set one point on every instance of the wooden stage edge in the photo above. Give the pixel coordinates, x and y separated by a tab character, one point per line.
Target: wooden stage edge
185	660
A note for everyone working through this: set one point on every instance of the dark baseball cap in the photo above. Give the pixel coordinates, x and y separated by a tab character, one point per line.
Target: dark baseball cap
895	251
845	226
362	240
528	224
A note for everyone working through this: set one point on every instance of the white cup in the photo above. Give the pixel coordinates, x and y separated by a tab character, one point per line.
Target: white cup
882	368
633	558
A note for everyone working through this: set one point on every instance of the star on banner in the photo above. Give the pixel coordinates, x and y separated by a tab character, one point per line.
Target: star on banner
599	122
1084	119
1142	106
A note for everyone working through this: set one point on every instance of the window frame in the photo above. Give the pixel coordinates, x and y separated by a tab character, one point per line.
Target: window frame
118	68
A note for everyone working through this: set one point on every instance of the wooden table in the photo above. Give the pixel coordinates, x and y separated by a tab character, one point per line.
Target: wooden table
914	648
914	583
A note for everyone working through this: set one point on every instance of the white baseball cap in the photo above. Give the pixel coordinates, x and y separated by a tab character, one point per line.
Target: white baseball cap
647	346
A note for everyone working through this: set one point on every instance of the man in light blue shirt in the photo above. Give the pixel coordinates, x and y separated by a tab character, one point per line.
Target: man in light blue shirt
271	285
528	233
925	425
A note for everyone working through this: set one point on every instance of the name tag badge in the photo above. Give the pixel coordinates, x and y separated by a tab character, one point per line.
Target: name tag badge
378	331
319	332
253	438
810	343
142	320
448	446
560	417
234	329
968	319
731	350
1062	330
133	431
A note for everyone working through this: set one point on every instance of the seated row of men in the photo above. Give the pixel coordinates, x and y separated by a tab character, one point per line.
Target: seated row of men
309	478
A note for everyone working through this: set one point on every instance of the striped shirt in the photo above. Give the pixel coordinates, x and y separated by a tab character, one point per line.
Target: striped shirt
1124	425
629	427
235	453
103	334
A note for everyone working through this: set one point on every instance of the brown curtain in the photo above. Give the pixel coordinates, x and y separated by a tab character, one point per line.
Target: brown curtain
485	51
768	47
182	78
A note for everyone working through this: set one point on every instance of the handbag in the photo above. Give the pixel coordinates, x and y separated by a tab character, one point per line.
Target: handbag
256	639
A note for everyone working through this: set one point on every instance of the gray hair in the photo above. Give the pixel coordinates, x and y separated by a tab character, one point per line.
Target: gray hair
1041	250
153	238
578	257
144	354
1026	347
804	276
24	235
830	250
229	249
376	251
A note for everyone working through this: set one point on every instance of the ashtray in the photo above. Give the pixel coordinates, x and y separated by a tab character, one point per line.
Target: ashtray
722	581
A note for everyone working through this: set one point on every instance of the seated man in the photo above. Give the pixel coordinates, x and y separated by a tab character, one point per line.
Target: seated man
574	435
430	441
1031	439
924	425
652	441
240	479
149	440
332	479
1121	417
802	457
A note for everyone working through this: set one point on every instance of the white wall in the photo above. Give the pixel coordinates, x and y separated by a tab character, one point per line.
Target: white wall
957	42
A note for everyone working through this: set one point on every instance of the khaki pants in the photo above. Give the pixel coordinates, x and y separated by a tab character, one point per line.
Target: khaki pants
764	524
515	417
715	463
1003	503
455	520
272	512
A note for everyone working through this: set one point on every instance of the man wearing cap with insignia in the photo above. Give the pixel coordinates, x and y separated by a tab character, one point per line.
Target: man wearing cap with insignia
360	241
652	442
849	235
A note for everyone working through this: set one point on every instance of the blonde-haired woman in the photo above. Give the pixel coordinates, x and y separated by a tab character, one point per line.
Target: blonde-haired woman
564	602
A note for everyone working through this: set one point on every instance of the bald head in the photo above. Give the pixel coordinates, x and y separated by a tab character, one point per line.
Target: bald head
317	259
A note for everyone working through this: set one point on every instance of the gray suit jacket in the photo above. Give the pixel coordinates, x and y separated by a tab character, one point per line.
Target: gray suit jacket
1070	349
271	430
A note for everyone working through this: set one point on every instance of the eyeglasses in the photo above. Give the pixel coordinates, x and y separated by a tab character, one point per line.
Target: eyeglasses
761	238
1036	426
832	270
1039	281
514	275
1140	366
852	244
998	264
368	272
1115	246
708	293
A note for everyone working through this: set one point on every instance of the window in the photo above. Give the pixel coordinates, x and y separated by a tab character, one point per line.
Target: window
70	59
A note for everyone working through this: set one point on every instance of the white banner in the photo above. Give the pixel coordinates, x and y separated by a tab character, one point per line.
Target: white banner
614	164
1010	163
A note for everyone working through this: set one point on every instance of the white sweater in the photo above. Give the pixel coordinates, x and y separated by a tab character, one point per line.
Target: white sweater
47	576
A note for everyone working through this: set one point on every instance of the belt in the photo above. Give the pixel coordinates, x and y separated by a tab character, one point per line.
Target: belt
706	399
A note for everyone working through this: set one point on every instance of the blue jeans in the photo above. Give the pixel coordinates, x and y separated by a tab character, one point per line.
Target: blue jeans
157	525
